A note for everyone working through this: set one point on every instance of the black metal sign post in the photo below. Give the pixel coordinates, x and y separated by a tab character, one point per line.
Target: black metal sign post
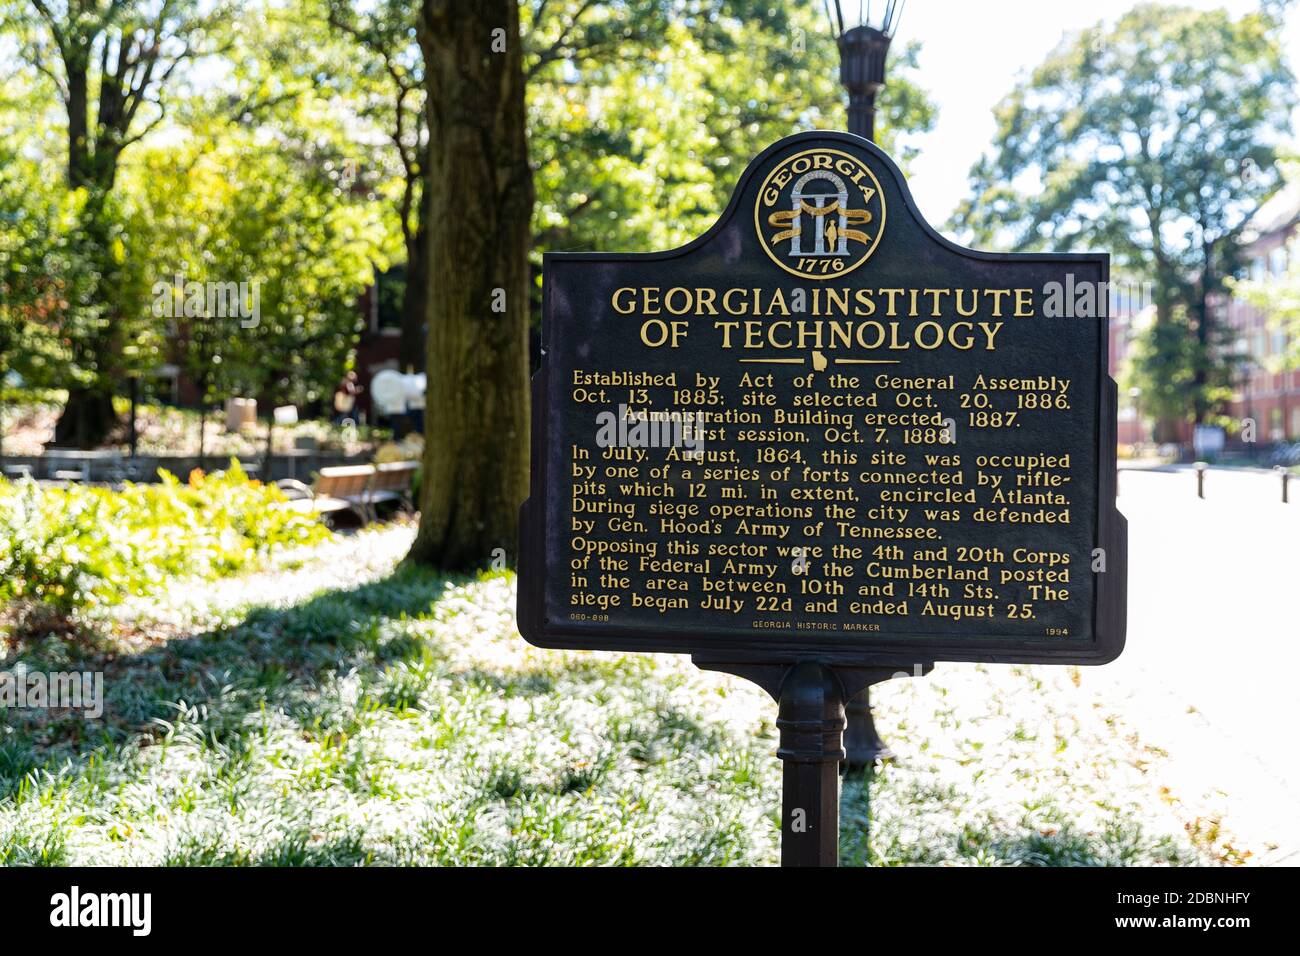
811	722
820	447
811	698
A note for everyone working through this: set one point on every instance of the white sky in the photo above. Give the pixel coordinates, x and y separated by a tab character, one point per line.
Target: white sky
971	56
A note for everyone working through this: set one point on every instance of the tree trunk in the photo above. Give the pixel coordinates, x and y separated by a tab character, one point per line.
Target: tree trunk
480	194
411	345
79	171
1204	335
87	419
1201	374
1164	430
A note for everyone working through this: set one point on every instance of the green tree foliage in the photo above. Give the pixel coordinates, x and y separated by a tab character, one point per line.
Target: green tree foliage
1165	359
1152	138
109	64
42	275
258	175
642	150
276	217
385	75
298	147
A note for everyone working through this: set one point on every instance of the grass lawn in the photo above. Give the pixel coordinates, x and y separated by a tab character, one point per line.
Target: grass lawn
336	711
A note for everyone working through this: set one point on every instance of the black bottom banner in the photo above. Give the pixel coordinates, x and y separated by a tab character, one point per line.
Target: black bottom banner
182	905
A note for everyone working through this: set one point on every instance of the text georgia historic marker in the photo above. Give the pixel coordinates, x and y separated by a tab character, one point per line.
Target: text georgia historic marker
821	445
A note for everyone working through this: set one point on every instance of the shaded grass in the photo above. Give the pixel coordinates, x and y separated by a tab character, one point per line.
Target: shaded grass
403	721
357	728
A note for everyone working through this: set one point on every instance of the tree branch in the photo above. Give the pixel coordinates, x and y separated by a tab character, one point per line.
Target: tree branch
556	50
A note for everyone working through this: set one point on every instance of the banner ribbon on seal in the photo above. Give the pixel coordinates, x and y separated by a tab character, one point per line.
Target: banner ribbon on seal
789	217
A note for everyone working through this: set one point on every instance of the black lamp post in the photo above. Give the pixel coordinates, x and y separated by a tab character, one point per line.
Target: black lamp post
863	50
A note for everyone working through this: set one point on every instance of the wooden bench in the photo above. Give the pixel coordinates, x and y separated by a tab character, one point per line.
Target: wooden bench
391	482
337	488
356	488
77	464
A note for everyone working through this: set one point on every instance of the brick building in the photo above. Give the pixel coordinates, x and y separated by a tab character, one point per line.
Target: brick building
1271	398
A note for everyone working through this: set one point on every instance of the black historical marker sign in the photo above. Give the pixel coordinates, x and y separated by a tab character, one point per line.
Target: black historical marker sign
822	431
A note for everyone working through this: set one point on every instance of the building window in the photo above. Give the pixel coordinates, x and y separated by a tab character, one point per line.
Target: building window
1277	261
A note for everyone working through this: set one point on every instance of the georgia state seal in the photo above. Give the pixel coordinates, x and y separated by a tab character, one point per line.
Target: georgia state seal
820	213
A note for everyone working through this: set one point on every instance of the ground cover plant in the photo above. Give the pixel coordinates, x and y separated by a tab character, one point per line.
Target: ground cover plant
343	709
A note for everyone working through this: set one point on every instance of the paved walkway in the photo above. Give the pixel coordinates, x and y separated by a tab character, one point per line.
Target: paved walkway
1211	672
